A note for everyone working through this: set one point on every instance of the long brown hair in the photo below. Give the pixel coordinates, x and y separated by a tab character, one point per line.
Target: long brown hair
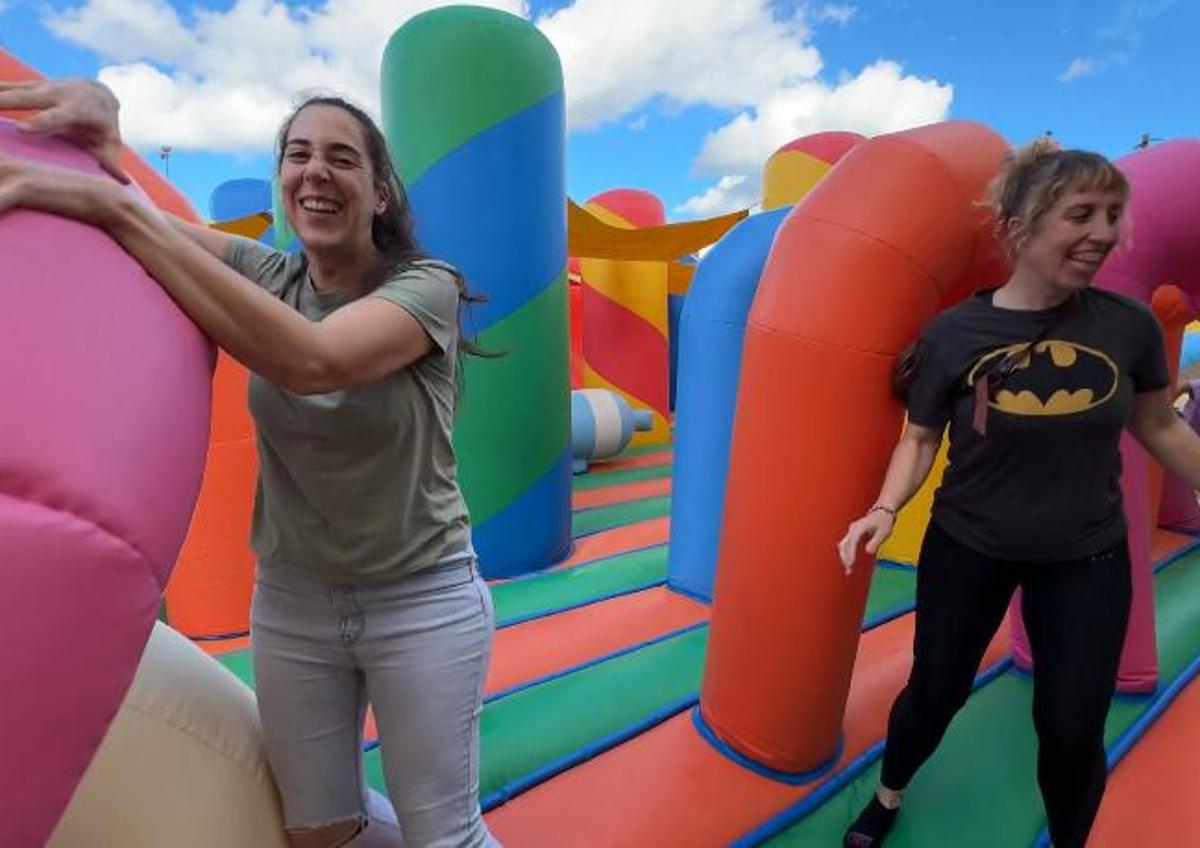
392	229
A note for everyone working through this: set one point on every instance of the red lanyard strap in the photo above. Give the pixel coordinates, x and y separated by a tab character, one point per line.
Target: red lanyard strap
989	380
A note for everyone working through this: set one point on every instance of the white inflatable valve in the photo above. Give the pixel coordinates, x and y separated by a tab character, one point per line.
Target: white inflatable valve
602	424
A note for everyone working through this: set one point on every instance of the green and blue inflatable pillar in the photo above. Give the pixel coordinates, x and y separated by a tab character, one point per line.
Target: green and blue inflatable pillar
473	110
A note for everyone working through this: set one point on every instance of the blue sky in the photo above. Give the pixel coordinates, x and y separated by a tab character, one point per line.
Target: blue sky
685	98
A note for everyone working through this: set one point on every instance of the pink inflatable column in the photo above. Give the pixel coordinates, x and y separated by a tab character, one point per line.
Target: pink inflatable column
1162	247
103	427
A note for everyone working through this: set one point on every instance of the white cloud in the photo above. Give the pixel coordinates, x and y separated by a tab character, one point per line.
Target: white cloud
880	99
186	112
833	13
616	56
736	55
1077	68
223	80
731	192
721	53
125	30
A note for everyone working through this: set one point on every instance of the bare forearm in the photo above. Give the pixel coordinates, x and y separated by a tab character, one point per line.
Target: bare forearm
255	328
1176	447
910	464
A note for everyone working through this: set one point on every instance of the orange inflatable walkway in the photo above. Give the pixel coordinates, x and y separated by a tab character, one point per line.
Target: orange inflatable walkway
608	495
671	787
631	537
544	646
648	458
1153	796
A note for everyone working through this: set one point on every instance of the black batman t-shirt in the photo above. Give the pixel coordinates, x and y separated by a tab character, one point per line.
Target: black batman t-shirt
1043	484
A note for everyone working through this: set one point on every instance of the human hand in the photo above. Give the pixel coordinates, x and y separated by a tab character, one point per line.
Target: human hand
61	191
82	111
874	527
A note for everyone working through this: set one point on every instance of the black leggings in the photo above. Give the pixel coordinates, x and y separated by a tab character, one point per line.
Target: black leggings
1075	613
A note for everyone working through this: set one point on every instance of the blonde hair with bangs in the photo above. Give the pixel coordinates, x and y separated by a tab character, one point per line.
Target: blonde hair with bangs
1033	178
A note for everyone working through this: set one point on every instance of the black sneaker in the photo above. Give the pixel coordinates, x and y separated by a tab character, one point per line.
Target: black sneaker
871	826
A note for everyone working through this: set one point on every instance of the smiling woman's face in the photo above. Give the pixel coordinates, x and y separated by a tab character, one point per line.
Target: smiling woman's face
1071	239
329	191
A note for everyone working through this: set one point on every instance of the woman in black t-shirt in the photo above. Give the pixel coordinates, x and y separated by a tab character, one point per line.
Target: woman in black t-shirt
1031	497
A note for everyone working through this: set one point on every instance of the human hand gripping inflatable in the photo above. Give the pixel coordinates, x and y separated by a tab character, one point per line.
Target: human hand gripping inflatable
79	110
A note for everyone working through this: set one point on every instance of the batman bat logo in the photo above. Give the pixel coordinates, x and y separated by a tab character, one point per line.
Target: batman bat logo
1057	378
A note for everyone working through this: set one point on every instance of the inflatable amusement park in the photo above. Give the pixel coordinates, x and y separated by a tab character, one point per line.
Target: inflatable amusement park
658	469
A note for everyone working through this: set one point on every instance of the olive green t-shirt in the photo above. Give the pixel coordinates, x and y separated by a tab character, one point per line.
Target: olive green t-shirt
359	484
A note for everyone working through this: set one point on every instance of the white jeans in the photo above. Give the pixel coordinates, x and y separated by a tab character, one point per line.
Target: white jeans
417	650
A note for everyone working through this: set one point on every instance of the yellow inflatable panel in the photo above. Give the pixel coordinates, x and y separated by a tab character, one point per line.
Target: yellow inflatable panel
250	226
788	176
595	232
904	545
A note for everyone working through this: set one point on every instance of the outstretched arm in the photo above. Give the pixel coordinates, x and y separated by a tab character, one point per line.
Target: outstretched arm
88	114
1165	435
83	111
360	342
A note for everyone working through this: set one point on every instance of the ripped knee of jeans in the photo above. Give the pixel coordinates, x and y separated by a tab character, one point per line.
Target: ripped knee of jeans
338	834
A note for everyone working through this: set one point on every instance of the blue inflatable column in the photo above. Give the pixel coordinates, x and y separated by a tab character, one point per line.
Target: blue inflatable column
711	330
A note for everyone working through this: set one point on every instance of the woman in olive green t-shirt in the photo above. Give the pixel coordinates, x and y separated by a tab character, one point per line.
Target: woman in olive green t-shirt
367	590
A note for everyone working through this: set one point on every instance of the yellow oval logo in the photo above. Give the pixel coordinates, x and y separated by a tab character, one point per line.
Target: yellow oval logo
1056	378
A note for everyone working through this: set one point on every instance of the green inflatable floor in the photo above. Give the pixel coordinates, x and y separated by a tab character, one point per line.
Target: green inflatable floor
586	521
600	479
541	594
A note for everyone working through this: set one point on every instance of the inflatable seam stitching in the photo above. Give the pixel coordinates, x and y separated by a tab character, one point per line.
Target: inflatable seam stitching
258	771
99	528
775	331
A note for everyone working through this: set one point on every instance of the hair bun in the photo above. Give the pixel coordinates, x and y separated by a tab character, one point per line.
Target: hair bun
1040	148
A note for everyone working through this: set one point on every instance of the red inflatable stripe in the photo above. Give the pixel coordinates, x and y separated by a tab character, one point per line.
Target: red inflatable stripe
630	343
829	147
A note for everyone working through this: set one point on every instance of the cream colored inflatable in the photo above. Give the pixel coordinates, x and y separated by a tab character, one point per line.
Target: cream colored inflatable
182	764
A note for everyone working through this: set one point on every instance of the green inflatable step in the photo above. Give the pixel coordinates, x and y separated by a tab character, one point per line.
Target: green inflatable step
600	479
599	518
541	594
646	450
